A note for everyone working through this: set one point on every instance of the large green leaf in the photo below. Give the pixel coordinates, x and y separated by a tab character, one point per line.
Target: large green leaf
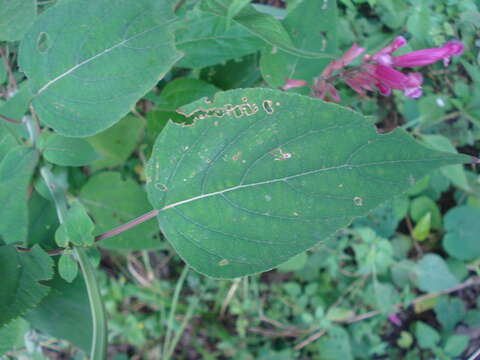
65	313
312	25
21	273
112	202
15	18
12	336
262	25
263	175
90	61
207	40
16	170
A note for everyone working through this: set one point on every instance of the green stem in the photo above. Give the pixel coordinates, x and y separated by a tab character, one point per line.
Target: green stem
99	319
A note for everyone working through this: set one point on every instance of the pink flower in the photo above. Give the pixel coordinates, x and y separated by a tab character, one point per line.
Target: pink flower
385	79
395	319
350	55
292	83
428	56
383	57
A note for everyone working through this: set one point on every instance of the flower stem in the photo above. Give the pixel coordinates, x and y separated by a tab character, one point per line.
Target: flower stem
125	227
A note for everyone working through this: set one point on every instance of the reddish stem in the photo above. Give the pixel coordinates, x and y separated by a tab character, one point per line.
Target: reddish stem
127	226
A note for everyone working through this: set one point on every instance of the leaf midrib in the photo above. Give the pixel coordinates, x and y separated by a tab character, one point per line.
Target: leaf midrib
286	178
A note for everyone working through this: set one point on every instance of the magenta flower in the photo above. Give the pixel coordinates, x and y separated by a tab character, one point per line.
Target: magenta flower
395	319
378	71
383	57
428	56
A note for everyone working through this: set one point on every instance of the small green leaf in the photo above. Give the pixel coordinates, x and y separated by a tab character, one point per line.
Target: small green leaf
117	143
463	227
65	151
421	231
432	274
386	296
427	336
22	272
77	228
405	340
263	175
423	205
112	202
16	171
67	267
16	16
89	67
456	345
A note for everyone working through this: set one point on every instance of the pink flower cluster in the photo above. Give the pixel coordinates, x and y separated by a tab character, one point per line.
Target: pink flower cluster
377	71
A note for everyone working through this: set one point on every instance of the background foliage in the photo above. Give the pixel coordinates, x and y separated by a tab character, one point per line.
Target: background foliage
400	283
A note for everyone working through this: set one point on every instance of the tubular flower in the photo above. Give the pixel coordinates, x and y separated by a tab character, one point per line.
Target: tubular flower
429	56
377	71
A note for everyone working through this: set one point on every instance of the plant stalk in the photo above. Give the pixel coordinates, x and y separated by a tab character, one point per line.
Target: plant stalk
99	339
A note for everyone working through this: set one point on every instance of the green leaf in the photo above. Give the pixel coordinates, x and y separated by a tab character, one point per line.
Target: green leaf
43	222
112	202
65	151
312	25
65	312
7	139
463	226
116	144
77	228
15	107
182	91
16	16
421	231
200	30
12	335
295	263
335	345
16	171
432	274
455	173
89	67
427	336
21	290
263	175
67	267
264	26
235	7
449	311
456	344
423	205
386	296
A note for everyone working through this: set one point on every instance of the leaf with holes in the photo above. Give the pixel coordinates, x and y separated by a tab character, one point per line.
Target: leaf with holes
94	56
263	175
